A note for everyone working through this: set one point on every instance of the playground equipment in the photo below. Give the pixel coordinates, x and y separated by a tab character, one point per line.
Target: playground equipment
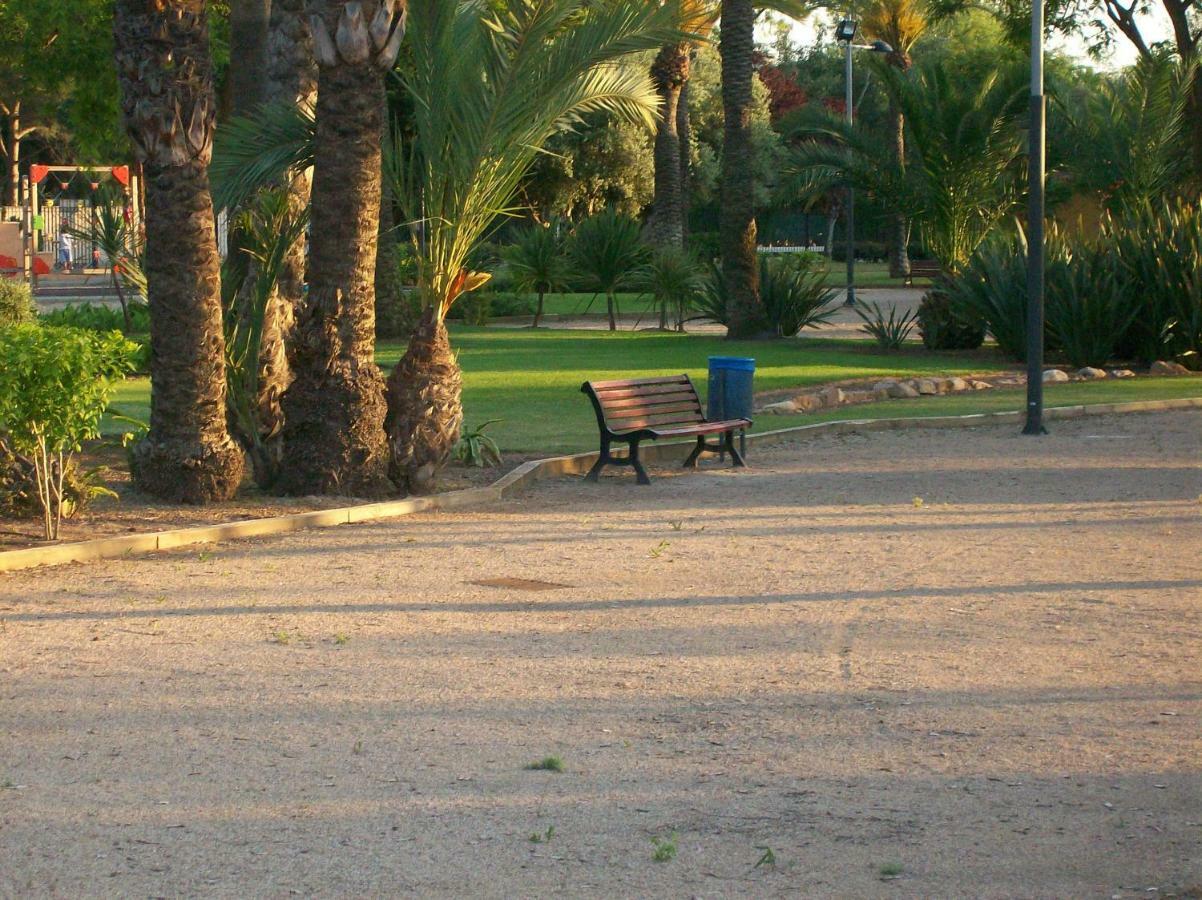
31	248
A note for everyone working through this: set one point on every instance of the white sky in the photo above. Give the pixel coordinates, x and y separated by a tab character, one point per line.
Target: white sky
1155	27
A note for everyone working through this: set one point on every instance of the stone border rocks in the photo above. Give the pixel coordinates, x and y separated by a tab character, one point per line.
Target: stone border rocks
520	479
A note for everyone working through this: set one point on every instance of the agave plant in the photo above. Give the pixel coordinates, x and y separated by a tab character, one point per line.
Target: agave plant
889	330
490	84
608	255
535	261
795	295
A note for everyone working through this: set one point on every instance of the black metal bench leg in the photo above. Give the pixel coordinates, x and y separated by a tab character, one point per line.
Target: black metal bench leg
639	471
691	462
595	472
736	457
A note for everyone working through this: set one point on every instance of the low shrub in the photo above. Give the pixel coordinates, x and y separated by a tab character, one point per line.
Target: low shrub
1087	310
100	318
992	289
54	386
944	325
889	331
16	303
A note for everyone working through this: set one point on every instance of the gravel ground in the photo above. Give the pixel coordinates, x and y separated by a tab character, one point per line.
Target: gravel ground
911	664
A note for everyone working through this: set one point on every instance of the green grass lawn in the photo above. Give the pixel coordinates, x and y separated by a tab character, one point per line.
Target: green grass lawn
531	380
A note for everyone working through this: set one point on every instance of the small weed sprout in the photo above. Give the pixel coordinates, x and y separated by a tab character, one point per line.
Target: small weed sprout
890	870
768	858
358	748
340	638
547	764
665	848
542	837
658	550
677	525
282	637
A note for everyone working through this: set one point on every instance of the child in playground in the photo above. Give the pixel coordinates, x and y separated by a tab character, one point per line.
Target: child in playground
64	252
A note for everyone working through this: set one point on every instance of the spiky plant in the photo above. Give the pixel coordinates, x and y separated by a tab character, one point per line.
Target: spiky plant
536	263
121	246
675	280
607	256
490	84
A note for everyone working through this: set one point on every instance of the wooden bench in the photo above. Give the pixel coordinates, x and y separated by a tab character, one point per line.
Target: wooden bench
639	409
923	268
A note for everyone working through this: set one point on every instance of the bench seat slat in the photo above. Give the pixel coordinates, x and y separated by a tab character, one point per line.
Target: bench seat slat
702	428
689	407
624	426
649	391
601	386
648	402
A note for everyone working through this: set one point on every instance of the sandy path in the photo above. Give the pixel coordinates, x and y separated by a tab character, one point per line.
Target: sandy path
995	693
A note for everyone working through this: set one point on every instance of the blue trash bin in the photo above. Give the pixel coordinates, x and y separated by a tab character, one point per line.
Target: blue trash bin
731	388
731	391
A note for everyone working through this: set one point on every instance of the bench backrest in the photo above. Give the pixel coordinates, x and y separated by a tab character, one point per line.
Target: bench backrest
636	403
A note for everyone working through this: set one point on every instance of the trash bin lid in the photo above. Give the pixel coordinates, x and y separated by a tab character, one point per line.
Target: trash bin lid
738	363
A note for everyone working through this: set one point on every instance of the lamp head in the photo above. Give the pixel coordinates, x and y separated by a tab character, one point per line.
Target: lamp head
845	31
880	47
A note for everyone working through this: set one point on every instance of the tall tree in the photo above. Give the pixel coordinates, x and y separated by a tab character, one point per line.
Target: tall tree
737	231
899	23
248	54
167	99
489	91
334	408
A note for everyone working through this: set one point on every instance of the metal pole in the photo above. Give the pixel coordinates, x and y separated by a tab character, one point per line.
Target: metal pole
1035	264
849	102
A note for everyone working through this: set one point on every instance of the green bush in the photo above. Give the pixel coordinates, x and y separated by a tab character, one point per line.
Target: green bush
794	294
946	326
1159	248
1087	310
992	289
54	386
100	318
16	303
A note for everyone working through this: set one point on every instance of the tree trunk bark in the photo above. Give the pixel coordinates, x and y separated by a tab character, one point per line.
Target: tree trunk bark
334	439
12	152
391	320
425	411
737	229
248	54
684	134
899	254
668	73
166	79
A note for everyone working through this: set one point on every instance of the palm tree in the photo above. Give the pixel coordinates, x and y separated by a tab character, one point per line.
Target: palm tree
489	89
608	255
535	261
737	232
670	74
166	79
334	409
965	143
899	23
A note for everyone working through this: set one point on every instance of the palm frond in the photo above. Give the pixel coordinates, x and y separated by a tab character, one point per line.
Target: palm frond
255	151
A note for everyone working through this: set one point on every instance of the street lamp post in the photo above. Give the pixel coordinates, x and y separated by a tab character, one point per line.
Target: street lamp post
1035	241
845	32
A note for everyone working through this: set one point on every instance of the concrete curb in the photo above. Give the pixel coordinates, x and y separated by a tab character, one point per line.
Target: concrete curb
520	479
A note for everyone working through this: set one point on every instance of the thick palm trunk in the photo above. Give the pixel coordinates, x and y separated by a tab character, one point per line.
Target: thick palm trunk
167	100
899	254
391	318
425	412
668	73
248	53
291	77
684	134
737	230
334	438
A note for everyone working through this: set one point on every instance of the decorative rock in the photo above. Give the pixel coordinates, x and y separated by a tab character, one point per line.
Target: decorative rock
884	385
881	394
832	396
981	385
807	402
857	396
1121	373
901	390
1089	372
926	386
957	384
1160	367
1055	375
783	408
